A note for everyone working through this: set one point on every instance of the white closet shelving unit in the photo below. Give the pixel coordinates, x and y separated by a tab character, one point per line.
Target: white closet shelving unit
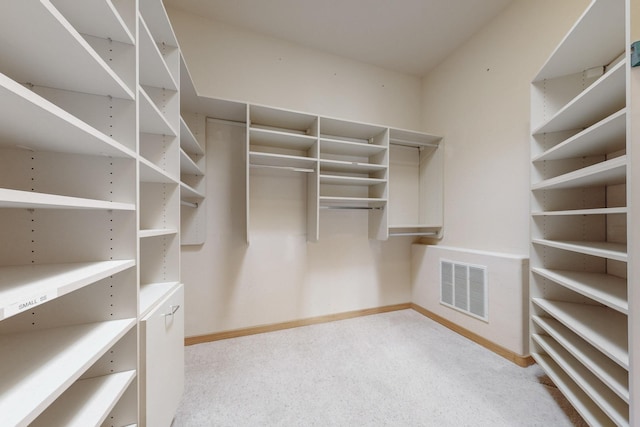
161	293
68	311
192	164
416	184
348	166
579	256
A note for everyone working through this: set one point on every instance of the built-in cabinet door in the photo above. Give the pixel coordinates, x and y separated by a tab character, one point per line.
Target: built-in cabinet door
163	358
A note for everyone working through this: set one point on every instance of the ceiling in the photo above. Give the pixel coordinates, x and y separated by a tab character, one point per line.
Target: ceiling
409	36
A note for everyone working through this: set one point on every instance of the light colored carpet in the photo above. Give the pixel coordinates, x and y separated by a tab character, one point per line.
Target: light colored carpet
391	369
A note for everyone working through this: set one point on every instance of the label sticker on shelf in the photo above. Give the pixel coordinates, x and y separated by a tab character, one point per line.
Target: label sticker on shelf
27	303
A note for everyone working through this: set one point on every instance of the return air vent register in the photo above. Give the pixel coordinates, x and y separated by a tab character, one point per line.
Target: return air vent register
464	288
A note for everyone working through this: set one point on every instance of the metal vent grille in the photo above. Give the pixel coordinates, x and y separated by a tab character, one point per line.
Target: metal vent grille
464	287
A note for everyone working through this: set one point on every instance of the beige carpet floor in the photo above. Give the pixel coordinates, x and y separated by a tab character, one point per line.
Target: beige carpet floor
391	369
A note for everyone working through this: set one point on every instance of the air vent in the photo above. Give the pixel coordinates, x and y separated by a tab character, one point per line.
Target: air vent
464	287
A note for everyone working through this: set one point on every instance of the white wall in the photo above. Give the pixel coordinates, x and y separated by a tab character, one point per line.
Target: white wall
231	63
280	277
479	100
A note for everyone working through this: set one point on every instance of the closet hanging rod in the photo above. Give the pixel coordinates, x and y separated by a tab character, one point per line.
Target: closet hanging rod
369	208
190	204
414	144
289	168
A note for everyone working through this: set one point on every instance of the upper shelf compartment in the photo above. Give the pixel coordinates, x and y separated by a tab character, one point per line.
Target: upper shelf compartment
154	69
590	42
81	70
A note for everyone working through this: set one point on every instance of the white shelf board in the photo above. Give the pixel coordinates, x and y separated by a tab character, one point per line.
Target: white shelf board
156	232
349	180
87	402
56	129
281	139
604	397
349	167
336	129
353	201
413	138
348	148
278	118
31	200
595	39
188	141
24	287
158	21
98	18
615	251
187	192
82	69
55	359
188	166
605	137
150	172
152	293
603	288
151	118
603	328
603	97
610	172
153	68
595	211
578	398
612	374
258	158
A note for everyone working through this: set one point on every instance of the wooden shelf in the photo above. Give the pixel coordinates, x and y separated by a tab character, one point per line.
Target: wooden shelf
82	70
349	167
31	200
595	211
87	402
610	172
342	129
603	288
605	137
187	192
599	32
151	293
349	180
150	172
188	166
604	397
157	232
66	353
151	118
188	141
348	148
281	139
610	373
302	164
153	68
158	21
605	96
578	398
352	202
615	251
602	327
284	120
98	18
23	287
57	130
413	139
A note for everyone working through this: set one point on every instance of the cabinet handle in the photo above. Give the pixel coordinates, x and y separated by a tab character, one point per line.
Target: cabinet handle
173	309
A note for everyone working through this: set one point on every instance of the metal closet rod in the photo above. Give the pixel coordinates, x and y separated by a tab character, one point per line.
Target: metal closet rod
190	204
412	144
289	168
368	208
417	233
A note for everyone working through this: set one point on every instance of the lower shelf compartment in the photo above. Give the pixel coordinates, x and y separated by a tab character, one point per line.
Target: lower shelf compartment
583	404
87	402
55	359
